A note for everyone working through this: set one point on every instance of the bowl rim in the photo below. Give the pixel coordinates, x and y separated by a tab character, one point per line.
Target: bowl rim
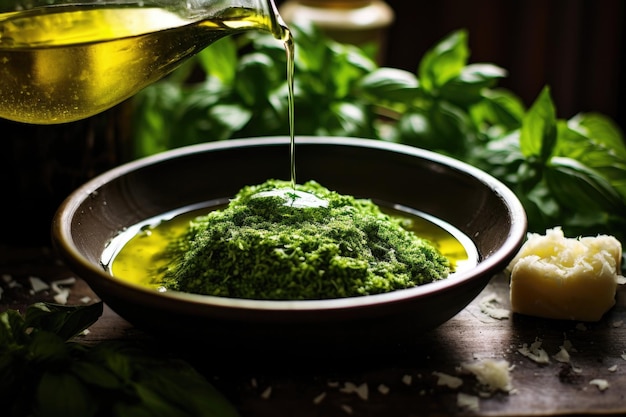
64	242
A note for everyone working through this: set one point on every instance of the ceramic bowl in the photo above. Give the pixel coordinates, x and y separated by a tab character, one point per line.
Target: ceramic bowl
469	199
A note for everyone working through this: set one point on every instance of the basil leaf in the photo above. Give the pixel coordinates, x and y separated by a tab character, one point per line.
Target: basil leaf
63	395
220	60
151	127
539	131
580	188
346	118
444	61
391	86
48	349
64	321
12	329
498	113
95	374
444	127
252	69
597	143
466	88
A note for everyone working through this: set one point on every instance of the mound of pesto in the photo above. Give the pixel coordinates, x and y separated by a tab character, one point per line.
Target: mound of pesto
266	247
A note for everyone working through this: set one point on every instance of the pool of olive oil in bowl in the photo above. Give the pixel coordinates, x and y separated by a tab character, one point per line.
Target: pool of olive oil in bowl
135	255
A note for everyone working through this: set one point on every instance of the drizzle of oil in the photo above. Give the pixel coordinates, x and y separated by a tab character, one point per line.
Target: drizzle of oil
136	254
292	197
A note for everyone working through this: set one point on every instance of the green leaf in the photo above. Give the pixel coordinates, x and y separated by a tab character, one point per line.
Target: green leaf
48	349
500	109
151	123
257	77
95	374
65	321
220	60
467	87
63	395
12	329
177	384
603	131
539	128
596	142
581	188
348	65
444	127
346	119
390	85
444	61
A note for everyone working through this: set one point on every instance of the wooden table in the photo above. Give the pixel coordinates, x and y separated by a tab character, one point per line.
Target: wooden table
390	384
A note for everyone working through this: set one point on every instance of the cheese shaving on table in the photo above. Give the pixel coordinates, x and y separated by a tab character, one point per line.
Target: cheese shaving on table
493	375
448	380
362	391
535	352
602	384
37	284
468	402
489	305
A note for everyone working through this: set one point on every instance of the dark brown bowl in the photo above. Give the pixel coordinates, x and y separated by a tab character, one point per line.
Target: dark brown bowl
469	199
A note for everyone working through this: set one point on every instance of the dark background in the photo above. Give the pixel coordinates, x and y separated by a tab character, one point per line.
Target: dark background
576	47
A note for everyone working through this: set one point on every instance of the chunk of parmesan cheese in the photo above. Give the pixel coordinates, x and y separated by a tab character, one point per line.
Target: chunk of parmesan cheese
565	278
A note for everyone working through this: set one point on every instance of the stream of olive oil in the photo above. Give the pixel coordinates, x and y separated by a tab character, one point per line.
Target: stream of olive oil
136	254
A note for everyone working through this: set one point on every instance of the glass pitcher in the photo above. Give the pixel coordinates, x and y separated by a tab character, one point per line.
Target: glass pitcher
62	61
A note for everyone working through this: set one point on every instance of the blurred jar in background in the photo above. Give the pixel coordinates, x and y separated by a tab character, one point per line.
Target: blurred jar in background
357	22
40	165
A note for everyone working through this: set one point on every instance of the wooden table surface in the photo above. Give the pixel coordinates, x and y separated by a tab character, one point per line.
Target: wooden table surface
389	384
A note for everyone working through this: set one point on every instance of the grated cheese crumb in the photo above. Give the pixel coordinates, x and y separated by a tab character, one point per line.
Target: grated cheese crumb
37	284
623	356
362	391
468	402
489	305
612	368
267	393
319	398
57	286
493	375
346	408
383	389
535	352
449	381
562	356
62	296
407	379
602	384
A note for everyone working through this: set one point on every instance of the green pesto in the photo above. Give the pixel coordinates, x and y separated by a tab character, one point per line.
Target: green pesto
262	248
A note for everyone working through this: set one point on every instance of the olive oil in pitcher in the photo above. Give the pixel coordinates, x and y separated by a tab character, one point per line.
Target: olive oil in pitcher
62	63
